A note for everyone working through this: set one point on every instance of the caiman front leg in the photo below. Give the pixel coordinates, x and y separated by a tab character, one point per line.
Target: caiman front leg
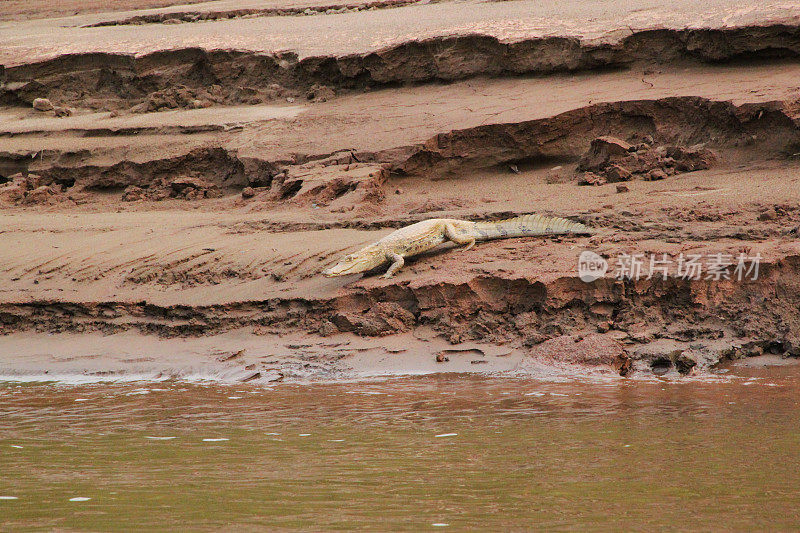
397	263
451	234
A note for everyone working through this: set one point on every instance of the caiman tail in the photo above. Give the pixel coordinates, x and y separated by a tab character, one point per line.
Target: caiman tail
529	225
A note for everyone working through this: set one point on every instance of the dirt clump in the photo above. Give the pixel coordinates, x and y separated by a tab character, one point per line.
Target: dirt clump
11	193
611	160
132	193
602	151
62	111
335	185
591	350
590	178
31	190
194	189
320	93
42	104
384	318
39	195
176	97
655	175
187	188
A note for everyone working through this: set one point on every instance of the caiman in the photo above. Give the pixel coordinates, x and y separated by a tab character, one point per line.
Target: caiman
428	234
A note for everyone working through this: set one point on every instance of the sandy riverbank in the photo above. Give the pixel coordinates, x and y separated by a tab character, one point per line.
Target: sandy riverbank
176	223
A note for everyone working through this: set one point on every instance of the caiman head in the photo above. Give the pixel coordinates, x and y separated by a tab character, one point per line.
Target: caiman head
365	259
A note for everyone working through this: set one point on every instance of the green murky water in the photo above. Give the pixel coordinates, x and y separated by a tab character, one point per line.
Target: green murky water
411	454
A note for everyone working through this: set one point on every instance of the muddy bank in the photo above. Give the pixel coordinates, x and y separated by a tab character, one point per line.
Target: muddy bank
171	218
724	132
523	295
770	130
241	357
625	325
200	78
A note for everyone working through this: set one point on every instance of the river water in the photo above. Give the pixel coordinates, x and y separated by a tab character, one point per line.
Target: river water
443	452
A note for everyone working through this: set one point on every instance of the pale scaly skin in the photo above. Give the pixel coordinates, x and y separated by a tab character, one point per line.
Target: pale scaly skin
428	234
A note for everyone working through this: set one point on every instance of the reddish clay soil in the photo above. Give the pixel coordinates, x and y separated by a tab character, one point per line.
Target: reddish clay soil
182	204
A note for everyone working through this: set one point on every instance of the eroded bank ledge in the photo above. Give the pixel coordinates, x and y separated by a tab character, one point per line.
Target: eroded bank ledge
201	77
635	325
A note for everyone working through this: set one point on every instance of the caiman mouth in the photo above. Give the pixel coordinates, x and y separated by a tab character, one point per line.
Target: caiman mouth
333	272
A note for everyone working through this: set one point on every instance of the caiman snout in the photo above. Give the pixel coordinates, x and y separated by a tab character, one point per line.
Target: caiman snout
338	269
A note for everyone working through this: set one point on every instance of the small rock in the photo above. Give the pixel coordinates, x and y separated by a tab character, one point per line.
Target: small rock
248	192
655	175
601	151
42	104
440	358
685	362
62	111
622	188
590	178
616	173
